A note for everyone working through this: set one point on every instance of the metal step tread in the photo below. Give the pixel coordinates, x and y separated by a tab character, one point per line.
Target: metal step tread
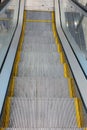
37	47
34	26
41	87
40	69
38	33
40	57
39	15
42	113
38	39
44	129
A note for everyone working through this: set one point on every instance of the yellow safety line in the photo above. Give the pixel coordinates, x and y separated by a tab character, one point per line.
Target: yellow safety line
11	87
7	112
62	58
71	87
4	19
2	128
38	11
79	114
39	21
66	71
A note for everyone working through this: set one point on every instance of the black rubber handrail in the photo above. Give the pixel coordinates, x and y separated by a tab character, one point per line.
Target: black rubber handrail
84	8
3	4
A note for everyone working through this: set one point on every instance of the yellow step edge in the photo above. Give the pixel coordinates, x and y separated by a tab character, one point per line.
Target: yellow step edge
2	128
85	129
11	87
4	19
57	40
18	56
39	21
62	58
71	87
38	10
59	48
6	113
79	114
53	17
66	71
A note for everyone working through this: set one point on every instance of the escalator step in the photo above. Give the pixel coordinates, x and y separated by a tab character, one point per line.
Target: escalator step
41	87
39	15
32	58
41	40
42	113
45	70
34	26
44	129
37	47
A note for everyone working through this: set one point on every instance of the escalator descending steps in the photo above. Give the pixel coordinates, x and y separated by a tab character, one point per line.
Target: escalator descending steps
41	87
42	113
41	96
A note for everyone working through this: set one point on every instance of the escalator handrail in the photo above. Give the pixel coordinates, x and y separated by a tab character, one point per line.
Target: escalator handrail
3	4
84	8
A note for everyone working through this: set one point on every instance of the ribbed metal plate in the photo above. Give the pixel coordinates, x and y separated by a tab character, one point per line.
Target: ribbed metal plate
41	87
42	40
45	129
40	69
38	33
42	113
37	47
34	26
32	58
39	15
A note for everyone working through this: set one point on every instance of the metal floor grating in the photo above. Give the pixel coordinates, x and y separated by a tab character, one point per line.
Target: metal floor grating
42	113
41	87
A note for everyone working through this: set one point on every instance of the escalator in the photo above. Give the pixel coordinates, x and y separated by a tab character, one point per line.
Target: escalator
40	87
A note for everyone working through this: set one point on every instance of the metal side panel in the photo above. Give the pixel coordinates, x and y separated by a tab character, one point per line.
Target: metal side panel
76	69
7	67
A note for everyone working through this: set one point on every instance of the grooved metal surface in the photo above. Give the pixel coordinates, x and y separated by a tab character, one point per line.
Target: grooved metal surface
41	91
39	15
37	47
38	58
38	33
43	70
41	87
41	40
45	129
42	113
38	26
